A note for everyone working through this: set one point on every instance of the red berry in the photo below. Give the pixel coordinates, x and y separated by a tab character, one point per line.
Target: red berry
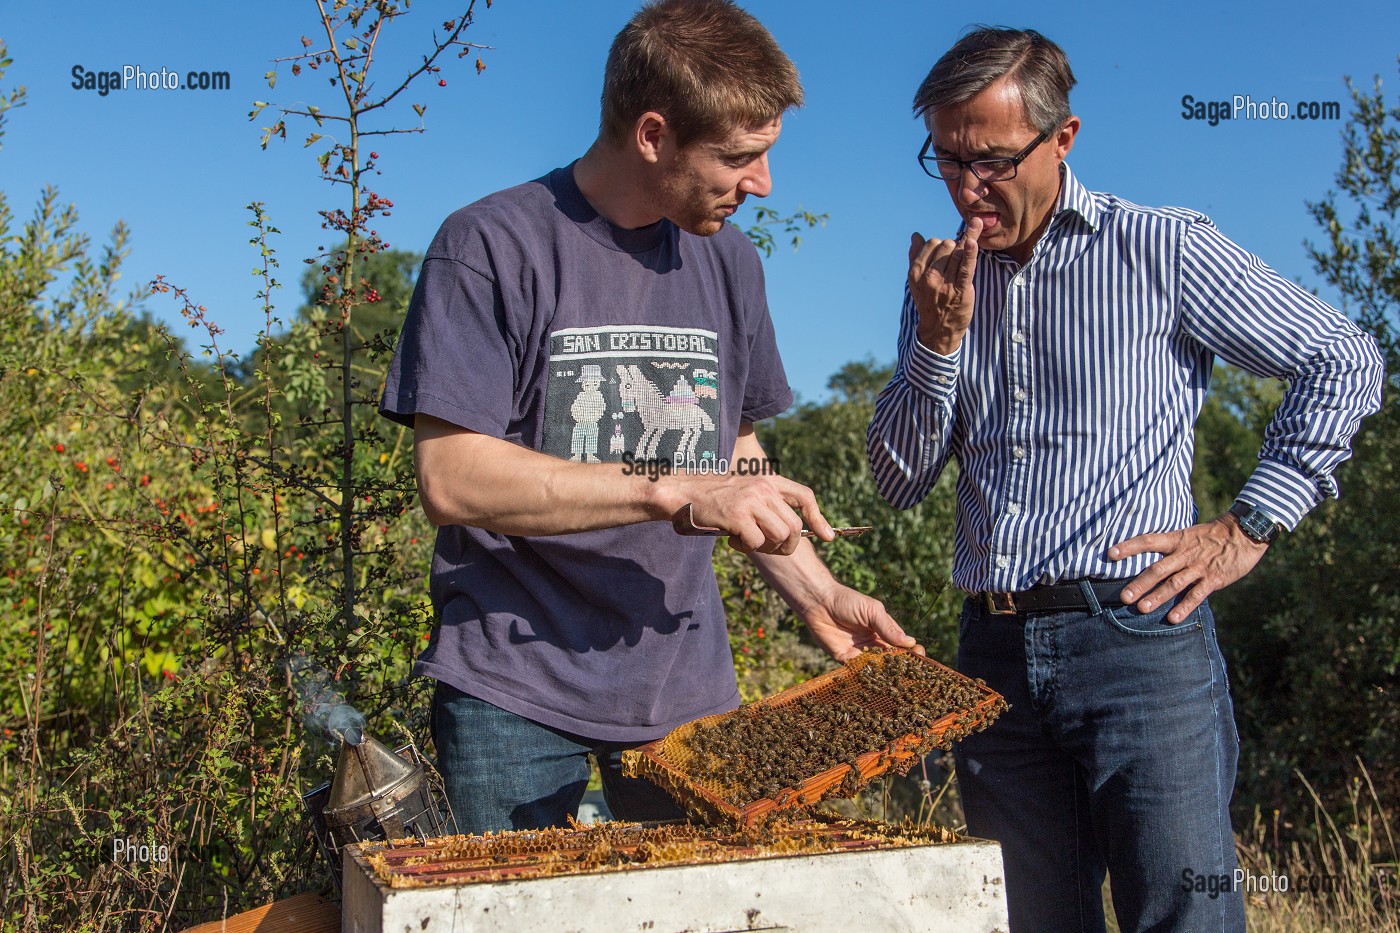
442	82
374	155
58	448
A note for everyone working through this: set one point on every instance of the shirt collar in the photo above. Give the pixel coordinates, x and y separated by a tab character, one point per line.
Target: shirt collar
1075	197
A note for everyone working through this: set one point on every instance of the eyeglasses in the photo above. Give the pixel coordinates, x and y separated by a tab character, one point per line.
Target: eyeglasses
1000	169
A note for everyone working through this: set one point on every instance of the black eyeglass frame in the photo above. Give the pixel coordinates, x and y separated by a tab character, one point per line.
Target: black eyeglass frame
971	164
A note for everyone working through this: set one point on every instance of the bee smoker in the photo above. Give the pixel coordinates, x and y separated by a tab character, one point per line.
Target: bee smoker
377	795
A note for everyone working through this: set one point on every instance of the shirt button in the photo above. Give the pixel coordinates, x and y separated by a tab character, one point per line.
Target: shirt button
1018	336
1002	562
944	380
1020	395
1019	453
1014	508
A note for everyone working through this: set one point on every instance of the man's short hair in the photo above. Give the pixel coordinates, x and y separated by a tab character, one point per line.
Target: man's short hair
1037	66
707	66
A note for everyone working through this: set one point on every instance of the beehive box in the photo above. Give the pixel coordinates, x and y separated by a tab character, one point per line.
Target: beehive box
829	736
808	875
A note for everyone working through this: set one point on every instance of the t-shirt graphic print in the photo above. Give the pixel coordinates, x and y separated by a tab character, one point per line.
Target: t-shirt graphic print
633	393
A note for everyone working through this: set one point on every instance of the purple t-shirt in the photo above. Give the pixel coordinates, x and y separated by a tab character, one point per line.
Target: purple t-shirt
538	321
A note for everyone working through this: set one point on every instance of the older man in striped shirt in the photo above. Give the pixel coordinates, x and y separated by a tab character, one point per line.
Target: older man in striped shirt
1060	349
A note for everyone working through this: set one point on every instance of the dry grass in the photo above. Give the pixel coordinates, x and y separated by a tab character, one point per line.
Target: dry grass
1344	878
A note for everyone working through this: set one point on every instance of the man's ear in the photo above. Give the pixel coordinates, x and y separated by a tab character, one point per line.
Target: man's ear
652	135
1063	140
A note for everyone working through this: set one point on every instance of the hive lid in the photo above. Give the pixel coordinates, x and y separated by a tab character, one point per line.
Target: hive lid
517	855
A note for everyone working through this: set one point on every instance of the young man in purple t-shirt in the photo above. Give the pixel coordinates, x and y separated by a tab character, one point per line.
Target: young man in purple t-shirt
565	338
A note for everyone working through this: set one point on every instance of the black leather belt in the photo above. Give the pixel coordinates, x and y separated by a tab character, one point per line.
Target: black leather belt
1059	597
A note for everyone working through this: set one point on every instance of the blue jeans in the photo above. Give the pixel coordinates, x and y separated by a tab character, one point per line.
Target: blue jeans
503	771
1118	754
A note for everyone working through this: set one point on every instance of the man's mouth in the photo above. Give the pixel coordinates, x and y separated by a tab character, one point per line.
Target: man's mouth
990	219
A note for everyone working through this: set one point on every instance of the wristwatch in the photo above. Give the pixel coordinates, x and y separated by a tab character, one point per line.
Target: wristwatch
1259	526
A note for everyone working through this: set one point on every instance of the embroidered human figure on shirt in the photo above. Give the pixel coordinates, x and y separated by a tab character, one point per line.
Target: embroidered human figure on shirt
588	409
617	443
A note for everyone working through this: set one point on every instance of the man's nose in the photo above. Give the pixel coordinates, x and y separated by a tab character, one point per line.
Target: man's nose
757	181
971	189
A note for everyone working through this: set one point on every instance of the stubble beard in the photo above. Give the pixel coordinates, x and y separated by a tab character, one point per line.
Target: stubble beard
685	205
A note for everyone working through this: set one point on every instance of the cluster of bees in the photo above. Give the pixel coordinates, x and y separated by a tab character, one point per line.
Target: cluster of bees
768	749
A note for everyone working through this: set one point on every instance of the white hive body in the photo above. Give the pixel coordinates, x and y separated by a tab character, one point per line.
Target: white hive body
529	882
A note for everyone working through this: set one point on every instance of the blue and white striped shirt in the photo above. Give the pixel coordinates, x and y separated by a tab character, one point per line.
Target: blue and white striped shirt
1070	404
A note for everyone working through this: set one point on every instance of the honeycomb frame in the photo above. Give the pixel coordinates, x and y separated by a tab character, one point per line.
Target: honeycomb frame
668	761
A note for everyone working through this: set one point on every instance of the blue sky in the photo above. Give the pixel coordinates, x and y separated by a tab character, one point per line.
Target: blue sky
179	167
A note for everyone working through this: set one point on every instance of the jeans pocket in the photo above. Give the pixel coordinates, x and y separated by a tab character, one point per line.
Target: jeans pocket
1150	624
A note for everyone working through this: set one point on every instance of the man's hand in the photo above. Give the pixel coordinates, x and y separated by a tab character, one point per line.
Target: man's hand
844	621
758	512
940	279
1205	558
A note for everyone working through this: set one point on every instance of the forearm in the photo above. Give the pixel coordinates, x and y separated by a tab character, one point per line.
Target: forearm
800	578
465	478
907	443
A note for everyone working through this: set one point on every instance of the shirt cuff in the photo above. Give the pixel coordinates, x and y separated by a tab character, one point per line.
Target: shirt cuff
1282	492
932	373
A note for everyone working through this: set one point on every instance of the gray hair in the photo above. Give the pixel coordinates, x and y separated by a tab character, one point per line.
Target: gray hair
1037	66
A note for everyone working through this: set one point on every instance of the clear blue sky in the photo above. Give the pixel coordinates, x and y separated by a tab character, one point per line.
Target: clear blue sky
179	166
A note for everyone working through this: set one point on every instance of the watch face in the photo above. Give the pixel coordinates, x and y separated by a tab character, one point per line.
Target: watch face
1257	528
1254	523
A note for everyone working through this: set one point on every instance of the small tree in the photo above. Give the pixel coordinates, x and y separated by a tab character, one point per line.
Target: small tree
1314	632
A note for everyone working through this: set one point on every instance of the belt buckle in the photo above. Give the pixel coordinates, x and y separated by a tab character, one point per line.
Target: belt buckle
1000	604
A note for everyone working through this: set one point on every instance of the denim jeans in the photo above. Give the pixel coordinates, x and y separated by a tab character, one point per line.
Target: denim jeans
1118	754
503	771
